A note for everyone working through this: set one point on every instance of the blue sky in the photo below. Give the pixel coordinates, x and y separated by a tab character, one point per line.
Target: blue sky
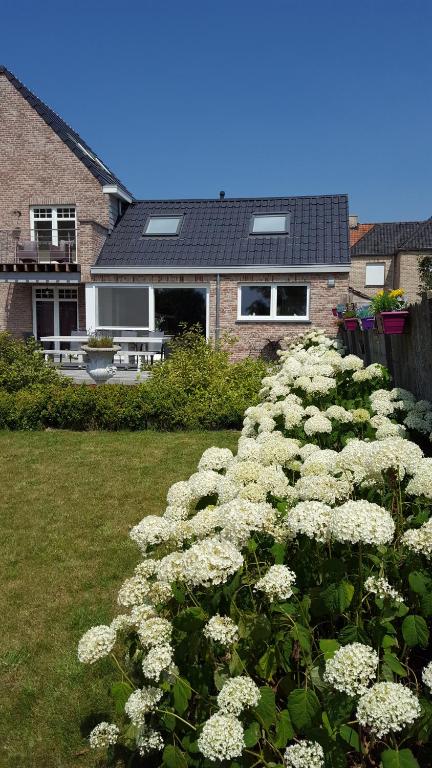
183	98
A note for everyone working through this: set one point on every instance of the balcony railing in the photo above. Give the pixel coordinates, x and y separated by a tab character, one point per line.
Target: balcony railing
54	246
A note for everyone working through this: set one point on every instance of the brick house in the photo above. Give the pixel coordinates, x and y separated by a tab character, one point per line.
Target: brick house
58	202
78	252
258	269
386	254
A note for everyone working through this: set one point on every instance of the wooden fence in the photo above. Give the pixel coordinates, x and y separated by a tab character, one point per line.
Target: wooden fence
408	356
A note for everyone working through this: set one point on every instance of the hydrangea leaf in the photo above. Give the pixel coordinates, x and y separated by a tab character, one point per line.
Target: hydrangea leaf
266	709
403	758
393	662
252	734
284	730
304	707
415	631
417	582
120	693
328	647
351	737
182	693
173	757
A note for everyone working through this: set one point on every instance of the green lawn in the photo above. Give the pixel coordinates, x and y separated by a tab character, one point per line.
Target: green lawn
67	502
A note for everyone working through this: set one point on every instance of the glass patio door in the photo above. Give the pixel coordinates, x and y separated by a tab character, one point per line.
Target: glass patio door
55	314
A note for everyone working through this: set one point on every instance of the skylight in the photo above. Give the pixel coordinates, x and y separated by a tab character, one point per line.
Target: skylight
163	225
270	224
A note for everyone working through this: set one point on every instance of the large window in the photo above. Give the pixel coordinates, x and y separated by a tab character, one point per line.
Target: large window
179	308
375	274
273	302
123	307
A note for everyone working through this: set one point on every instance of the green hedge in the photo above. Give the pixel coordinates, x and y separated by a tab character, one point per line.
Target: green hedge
196	388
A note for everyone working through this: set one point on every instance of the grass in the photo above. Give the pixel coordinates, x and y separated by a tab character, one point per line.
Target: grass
68	501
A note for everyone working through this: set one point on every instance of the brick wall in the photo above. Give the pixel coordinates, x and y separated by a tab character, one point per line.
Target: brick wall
251	337
36	167
358	273
407	267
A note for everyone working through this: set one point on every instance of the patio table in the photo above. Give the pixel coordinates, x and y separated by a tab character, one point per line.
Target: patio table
136	346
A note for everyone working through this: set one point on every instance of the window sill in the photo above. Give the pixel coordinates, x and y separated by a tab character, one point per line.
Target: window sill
273	321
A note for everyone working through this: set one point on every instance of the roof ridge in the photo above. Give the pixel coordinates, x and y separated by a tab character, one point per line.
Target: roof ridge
235	199
421	226
86	154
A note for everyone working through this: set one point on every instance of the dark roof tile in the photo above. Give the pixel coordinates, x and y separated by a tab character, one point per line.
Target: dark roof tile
216	233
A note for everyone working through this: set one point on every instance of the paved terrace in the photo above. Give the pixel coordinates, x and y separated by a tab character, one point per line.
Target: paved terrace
80	376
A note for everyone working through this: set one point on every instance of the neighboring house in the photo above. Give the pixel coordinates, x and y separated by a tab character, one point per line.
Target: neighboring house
385	255
258	268
58	201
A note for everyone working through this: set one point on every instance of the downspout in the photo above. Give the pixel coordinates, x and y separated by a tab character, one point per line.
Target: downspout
217	313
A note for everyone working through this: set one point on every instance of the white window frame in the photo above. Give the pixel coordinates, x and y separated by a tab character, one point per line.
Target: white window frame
374	283
56	301
272	215
53	219
92	309
273	317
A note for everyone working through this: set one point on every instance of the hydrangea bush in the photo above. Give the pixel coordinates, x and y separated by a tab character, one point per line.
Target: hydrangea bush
279	613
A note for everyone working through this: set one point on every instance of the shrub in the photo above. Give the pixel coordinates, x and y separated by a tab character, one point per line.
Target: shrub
22	364
196	388
279	614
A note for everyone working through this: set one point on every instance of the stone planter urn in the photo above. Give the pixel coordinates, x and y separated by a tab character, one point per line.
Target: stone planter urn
99	363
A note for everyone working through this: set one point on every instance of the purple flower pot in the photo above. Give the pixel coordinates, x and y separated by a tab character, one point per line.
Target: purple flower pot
394	322
368	323
334	311
350	323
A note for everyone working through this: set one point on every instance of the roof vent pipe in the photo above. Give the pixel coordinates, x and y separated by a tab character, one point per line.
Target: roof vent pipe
221	195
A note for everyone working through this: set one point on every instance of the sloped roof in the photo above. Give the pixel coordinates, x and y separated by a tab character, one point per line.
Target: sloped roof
385	238
358	232
421	239
71	138
216	233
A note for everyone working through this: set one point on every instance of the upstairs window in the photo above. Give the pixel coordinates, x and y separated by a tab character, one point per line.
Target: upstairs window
163	225
375	274
273	302
270	224
54	230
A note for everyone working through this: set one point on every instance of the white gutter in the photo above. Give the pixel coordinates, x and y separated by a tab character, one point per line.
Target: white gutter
114	189
261	269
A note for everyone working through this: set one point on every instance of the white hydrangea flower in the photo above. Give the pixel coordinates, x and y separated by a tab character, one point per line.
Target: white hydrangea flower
180	495
421	483
243	472
352	668
171	567
308	449
238	694
121	622
323	488
317	424
150	531
387	707
211	562
133	591
277	582
373	371
104	735
96	643
149	740
222	738
362	521
215	459
427	676
338	413
305	754
141	613
141	702
360	415
154	631
158	660
420	539
222	630
379	586
274	448
311	518
319	462
351	363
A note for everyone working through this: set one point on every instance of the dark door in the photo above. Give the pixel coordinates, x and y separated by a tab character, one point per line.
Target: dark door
45	320
67	320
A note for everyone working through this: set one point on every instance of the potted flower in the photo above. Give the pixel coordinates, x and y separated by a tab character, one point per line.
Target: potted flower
391	309
366	317
338	310
350	320
100	351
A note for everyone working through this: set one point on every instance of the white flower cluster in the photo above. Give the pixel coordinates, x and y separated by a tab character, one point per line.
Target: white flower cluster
222	738
362	521
387	708
141	702
103	735
427	676
277	583
149	740
421	482
311	518
305	754
222	630
159	659
237	694
420	539
379	586
96	643
216	459
352	668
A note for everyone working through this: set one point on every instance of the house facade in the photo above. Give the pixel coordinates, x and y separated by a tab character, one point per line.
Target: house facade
385	255
77	252
58	202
